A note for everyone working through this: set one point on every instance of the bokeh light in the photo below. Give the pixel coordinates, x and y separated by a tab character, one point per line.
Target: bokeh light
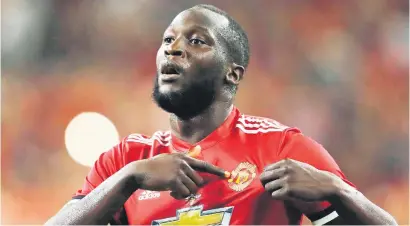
88	135
337	70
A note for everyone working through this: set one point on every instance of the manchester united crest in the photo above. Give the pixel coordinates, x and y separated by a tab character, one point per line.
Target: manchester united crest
242	176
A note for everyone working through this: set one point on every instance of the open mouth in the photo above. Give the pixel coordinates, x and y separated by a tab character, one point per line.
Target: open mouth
170	72
169	69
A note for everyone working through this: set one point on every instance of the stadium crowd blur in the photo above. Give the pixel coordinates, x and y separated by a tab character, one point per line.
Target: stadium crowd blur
338	70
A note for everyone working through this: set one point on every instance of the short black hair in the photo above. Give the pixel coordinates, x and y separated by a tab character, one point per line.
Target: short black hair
236	38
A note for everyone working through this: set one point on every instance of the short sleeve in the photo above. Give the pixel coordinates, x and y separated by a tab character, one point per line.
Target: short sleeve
295	145
107	164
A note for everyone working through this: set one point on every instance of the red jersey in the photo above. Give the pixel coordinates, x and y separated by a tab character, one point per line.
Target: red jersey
243	145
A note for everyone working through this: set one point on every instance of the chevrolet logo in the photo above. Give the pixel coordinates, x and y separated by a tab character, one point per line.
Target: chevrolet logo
195	216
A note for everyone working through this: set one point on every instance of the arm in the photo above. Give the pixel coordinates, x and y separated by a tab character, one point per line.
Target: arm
354	208
106	188
101	204
104	197
309	178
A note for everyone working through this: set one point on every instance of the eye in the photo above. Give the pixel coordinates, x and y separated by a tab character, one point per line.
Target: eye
196	41
168	40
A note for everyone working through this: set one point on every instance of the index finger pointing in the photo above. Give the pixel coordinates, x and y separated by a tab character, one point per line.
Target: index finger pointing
195	152
206	167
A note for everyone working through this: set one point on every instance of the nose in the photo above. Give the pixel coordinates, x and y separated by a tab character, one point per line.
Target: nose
175	49
173	52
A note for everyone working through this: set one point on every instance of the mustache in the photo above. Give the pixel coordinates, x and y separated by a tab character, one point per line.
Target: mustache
169	64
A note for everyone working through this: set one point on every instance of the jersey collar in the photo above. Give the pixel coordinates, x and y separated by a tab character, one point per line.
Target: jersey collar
213	138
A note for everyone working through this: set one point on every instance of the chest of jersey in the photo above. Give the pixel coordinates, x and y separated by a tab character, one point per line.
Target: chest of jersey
240	199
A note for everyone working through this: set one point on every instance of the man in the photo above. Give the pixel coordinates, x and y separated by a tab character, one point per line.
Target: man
275	174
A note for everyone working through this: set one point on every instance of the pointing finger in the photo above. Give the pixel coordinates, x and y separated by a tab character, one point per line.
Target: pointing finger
195	152
206	167
176	195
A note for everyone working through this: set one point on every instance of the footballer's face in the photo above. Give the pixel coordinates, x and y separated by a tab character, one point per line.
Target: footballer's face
191	63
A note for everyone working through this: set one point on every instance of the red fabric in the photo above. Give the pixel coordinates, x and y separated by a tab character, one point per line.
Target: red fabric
250	141
301	148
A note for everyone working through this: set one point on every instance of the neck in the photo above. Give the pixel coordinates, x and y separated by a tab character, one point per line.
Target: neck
197	128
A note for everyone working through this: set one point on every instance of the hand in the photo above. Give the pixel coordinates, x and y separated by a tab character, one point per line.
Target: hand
175	172
290	179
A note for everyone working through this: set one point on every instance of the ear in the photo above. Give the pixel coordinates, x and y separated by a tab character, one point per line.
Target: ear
235	74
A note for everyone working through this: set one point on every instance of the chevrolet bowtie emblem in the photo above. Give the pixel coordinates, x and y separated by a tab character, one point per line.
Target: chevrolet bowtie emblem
195	216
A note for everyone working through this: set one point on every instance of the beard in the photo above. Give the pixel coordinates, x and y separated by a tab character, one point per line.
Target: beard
190	101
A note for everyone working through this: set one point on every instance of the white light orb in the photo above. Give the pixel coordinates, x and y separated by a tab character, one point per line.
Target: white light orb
88	135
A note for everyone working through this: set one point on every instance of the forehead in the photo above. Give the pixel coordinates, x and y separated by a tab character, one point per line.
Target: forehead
201	19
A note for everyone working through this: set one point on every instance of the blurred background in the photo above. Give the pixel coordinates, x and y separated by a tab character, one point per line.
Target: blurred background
77	76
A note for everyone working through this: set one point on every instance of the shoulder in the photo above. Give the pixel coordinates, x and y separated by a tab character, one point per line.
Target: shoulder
136	139
268	132
265	135
138	146
250	124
